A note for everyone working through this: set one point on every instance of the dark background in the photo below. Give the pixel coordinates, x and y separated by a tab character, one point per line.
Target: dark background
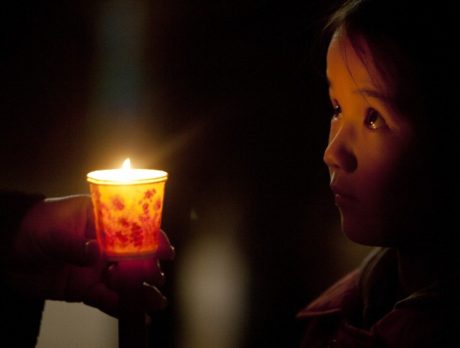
228	97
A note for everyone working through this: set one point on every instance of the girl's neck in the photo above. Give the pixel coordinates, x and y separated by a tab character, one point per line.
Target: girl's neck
418	268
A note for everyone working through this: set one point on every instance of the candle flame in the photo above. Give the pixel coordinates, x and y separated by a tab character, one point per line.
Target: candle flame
126	164
127	175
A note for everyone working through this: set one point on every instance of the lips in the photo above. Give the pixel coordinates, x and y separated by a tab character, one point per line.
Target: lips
342	196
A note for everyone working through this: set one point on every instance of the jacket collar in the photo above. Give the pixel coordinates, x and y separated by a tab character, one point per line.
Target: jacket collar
369	291
333	300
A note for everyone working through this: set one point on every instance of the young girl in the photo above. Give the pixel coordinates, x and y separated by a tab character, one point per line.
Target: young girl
392	72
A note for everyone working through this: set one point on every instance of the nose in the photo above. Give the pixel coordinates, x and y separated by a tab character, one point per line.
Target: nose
339	153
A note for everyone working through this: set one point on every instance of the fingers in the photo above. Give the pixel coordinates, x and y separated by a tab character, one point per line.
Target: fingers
153	298
76	252
145	298
90	231
130	274
64	229
165	250
103	298
91	253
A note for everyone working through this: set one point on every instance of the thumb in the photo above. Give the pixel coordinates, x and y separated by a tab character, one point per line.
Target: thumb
91	253
82	253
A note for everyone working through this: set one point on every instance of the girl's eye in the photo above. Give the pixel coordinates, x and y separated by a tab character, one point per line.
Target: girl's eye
337	110
373	120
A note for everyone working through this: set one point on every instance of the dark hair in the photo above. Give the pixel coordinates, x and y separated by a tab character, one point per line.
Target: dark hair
402	37
413	45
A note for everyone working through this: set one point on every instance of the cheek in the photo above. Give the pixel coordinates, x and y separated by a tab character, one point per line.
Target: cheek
383	190
384	173
378	183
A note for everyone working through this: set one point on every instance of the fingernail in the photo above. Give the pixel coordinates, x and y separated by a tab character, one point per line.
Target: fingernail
162	279
164	302
91	251
157	301
173	251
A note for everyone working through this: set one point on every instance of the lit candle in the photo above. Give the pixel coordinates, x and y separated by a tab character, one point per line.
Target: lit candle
128	205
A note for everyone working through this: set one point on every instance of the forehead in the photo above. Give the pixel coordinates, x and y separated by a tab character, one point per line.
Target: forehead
345	64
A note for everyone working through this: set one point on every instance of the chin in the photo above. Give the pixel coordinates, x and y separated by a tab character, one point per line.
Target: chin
360	232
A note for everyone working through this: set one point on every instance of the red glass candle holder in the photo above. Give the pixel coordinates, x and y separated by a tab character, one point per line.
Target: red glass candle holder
128	205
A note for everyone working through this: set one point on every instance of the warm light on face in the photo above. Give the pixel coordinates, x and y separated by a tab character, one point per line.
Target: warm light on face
128	206
370	148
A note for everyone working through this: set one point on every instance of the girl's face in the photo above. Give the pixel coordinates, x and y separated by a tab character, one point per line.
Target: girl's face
369	149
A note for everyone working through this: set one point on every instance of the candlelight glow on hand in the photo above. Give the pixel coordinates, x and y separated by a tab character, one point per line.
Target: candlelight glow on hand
128	205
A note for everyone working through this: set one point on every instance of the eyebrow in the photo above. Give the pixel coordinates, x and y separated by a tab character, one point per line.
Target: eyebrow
367	92
371	93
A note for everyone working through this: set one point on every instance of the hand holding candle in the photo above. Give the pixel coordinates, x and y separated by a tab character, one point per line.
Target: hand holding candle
54	255
128	206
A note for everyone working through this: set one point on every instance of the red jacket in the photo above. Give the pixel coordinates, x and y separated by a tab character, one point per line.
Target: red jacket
362	310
